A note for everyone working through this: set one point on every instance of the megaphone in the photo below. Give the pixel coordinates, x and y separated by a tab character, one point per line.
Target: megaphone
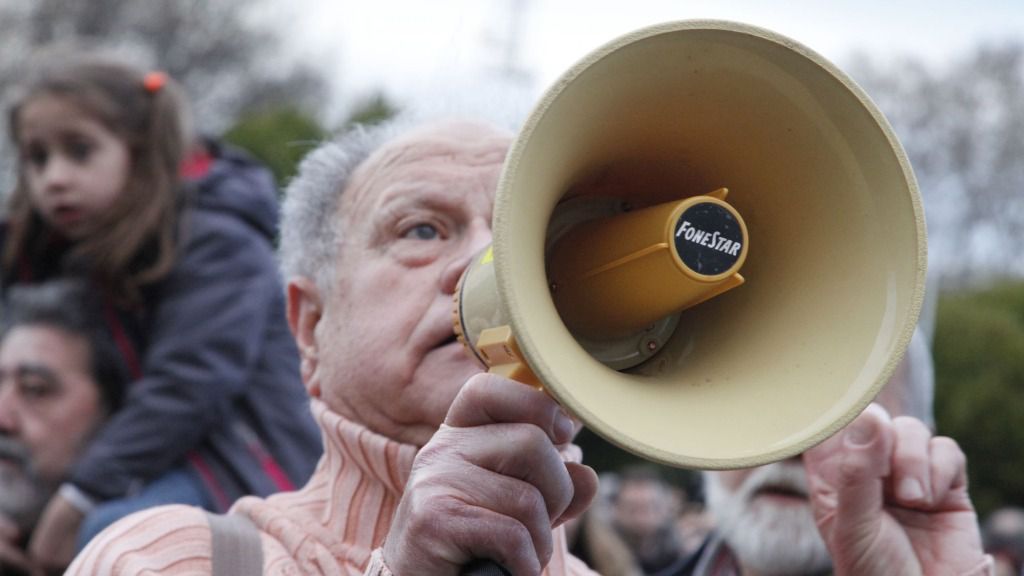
808	275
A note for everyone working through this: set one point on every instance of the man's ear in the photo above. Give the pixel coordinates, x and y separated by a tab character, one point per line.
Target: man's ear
304	312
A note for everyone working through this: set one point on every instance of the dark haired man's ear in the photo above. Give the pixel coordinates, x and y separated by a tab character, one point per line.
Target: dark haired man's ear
304	312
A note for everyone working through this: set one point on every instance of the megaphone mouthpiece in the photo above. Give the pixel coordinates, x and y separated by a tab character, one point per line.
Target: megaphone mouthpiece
618	274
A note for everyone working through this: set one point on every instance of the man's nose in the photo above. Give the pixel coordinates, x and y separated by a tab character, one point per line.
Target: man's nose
478	236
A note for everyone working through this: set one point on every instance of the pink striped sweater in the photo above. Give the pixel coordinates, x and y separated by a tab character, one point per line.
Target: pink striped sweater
331	526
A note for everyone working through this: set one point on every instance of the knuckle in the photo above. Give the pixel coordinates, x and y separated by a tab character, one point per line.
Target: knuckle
474	388
950	446
522	548
911	425
529	504
915	460
529	435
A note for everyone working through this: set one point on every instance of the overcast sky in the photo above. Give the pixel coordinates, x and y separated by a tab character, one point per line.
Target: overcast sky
410	48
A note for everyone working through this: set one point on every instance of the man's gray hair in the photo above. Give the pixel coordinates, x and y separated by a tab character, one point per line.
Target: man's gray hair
310	228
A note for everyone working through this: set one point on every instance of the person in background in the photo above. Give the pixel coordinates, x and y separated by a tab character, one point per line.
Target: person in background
593	539
1003	534
429	463
60	379
694	524
644	511
189	291
883	487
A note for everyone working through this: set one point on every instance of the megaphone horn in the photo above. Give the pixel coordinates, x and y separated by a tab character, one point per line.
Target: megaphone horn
693	328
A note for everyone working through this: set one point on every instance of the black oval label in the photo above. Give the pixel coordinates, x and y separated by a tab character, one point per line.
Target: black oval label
709	239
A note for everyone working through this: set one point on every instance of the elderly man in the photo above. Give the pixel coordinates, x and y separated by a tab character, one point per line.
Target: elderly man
895	490
428	464
59	379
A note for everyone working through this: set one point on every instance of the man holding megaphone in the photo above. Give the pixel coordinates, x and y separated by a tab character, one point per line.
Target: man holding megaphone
431	466
428	464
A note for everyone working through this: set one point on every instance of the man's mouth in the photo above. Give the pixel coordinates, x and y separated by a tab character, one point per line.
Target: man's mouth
12	452
12	464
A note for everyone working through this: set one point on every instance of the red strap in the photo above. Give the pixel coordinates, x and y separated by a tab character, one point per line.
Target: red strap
223	503
125	345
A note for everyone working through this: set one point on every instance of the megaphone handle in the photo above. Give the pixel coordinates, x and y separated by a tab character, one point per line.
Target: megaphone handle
499	349
484	568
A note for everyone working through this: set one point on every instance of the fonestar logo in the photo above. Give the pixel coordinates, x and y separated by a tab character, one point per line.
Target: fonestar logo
713	240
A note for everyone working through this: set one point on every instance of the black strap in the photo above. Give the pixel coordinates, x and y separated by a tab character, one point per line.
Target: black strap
236	546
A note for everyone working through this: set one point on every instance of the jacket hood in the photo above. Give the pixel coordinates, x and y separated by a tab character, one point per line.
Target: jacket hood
236	183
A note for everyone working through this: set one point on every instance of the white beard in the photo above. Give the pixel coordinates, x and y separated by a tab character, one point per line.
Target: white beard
770	538
22	493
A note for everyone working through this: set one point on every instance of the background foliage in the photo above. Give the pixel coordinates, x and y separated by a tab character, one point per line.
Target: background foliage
979	367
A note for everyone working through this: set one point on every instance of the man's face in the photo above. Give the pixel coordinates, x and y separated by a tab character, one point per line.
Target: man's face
764	513
413	216
642	508
49	407
765	516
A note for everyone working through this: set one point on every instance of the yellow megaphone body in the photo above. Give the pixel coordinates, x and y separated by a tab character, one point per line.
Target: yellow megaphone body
615	281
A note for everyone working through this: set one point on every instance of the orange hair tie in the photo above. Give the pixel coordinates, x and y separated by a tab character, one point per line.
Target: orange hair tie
154	81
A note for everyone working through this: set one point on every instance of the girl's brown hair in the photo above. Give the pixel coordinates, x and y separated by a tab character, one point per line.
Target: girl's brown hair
135	243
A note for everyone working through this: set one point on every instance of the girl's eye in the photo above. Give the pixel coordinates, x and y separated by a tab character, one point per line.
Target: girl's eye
36	156
78	150
422	232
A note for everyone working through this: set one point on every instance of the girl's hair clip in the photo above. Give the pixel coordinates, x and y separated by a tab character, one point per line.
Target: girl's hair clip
154	81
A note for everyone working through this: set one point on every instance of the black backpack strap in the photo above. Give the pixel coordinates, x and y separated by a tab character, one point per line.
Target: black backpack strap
237	550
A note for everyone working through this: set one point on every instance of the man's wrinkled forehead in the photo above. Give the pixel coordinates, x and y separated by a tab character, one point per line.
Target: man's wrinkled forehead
441	151
462	143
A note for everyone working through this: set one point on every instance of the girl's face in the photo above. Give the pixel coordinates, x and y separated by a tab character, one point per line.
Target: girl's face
74	166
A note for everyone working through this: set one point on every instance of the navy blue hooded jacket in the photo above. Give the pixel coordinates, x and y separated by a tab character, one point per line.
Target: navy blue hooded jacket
217	382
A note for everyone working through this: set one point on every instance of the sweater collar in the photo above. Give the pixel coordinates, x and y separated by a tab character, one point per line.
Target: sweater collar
377	457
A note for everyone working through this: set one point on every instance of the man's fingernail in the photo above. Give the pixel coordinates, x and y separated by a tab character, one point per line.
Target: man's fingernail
910	490
563	425
861	432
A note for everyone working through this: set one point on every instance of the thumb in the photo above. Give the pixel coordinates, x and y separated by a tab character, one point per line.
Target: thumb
864	463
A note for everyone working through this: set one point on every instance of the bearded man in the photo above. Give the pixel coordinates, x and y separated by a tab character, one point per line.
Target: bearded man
782	518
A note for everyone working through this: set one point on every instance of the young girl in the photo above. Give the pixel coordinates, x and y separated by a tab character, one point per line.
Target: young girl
192	295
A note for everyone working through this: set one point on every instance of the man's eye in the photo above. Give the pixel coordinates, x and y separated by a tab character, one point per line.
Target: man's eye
422	232
35	388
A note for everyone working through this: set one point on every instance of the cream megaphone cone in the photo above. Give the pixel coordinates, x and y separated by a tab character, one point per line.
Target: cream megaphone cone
833	240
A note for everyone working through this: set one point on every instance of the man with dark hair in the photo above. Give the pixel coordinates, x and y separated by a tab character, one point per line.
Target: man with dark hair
60	378
644	513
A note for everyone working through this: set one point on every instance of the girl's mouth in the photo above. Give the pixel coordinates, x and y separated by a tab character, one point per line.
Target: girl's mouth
67	215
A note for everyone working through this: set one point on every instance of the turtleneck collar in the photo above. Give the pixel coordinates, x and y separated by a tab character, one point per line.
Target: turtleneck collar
349	501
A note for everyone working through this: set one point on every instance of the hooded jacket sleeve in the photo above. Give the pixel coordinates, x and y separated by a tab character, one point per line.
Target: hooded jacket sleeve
206	334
